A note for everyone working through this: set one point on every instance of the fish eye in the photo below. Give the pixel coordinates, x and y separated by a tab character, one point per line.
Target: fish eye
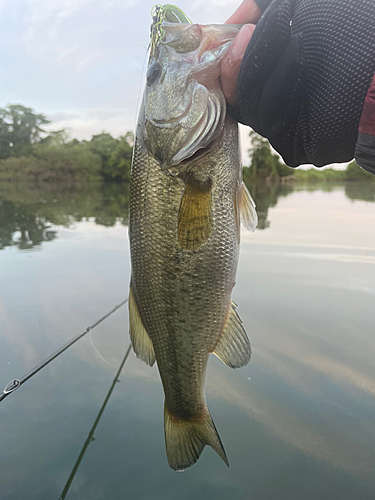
153	73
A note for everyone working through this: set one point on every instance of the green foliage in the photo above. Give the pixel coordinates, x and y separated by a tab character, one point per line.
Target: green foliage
26	155
313	175
27	152
115	154
355	173
67	162
20	128
50	162
102	145
265	165
19	168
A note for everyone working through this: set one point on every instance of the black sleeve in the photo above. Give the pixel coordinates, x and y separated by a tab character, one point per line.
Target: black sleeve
263	4
305	75
365	152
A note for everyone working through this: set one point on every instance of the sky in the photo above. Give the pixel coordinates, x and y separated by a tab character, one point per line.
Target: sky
80	62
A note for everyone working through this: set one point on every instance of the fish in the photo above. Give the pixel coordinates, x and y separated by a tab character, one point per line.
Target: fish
186	202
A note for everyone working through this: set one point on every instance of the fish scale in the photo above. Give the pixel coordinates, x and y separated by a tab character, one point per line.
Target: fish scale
173	294
184	242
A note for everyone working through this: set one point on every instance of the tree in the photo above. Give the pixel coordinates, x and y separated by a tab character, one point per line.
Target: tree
20	128
28	152
115	154
119	163
264	163
103	145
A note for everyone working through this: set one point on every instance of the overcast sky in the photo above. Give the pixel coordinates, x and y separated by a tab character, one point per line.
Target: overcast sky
80	62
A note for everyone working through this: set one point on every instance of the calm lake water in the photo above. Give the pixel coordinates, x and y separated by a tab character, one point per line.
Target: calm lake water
297	422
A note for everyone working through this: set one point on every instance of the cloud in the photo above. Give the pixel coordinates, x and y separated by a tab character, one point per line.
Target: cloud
62	117
88	122
83	58
287	425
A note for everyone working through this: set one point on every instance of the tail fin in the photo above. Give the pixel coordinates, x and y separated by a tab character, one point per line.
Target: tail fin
185	440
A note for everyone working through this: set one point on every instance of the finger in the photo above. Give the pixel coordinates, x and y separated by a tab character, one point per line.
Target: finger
230	67
247	12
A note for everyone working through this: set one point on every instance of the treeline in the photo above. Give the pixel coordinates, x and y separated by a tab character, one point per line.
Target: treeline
28	152
267	166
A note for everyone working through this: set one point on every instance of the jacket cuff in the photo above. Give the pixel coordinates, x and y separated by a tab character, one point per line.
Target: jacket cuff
365	152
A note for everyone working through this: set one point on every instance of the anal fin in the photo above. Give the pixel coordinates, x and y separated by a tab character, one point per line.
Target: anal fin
249	216
233	347
139	337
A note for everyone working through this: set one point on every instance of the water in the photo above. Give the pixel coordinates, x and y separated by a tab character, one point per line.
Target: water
297	422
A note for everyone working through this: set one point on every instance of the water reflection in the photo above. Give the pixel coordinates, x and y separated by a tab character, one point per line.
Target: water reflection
360	191
266	195
21	226
297	421
28	212
90	437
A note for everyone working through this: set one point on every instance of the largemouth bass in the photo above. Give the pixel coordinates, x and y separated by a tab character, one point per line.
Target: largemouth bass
186	200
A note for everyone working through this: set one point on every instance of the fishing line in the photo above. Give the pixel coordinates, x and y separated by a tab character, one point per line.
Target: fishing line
90	437
98	353
140	90
16	383
159	13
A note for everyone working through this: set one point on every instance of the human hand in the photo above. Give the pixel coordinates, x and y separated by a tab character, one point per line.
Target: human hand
248	13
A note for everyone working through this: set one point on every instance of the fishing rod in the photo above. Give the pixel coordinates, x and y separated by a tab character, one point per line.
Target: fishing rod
16	383
90	438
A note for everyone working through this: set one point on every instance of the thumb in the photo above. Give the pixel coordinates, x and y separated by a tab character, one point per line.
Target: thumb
230	66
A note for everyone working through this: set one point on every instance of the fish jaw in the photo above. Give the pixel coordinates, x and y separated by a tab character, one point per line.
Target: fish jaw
184	105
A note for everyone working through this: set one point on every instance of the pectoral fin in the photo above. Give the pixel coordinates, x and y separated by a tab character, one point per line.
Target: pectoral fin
249	216
140	340
194	217
233	347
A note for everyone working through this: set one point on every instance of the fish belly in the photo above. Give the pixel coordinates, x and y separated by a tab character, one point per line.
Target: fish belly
183	296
